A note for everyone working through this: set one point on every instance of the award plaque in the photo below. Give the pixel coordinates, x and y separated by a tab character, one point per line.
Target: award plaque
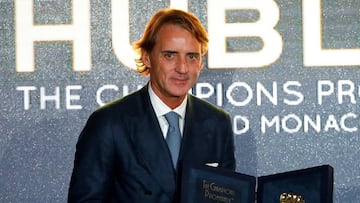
311	185
205	184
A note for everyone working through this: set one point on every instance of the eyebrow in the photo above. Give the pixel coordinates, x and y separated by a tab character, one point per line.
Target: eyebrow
175	52
169	52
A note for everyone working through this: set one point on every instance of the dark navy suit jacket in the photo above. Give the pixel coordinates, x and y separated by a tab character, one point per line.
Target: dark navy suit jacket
122	156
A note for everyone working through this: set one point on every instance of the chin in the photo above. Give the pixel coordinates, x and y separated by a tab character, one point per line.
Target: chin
178	93
180	88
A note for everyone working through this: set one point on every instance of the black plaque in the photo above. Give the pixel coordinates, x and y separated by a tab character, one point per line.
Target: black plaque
206	184
314	185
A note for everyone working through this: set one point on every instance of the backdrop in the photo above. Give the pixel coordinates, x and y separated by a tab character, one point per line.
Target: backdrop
287	71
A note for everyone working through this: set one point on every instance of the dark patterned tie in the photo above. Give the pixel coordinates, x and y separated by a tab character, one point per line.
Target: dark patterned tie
173	137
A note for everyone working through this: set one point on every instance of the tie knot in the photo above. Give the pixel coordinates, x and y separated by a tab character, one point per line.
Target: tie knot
172	118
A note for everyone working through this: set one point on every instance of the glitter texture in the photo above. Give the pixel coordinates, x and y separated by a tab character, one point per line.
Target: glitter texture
37	141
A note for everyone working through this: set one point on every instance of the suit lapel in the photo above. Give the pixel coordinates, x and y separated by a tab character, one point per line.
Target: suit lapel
196	138
151	146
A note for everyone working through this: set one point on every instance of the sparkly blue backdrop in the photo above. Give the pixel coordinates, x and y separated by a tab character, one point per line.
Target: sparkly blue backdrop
286	115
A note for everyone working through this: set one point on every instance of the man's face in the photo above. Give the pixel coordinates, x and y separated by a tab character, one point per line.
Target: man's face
175	63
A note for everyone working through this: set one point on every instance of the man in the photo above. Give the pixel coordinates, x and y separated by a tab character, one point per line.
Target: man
122	153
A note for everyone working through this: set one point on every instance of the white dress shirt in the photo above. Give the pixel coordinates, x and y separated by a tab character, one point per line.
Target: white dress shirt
161	109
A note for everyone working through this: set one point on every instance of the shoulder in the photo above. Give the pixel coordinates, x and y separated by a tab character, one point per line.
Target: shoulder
131	104
201	106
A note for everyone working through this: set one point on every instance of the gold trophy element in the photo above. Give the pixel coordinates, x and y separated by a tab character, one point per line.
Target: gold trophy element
288	197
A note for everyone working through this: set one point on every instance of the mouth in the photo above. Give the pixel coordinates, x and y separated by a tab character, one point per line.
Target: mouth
180	80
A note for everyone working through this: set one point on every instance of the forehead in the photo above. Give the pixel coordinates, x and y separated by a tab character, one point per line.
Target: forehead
172	36
173	30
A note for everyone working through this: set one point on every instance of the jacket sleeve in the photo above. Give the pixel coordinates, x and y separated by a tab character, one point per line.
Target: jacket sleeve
94	162
228	160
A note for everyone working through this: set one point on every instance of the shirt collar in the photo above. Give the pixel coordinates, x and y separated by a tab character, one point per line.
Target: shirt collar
161	108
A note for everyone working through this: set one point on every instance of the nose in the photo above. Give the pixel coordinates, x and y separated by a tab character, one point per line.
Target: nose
182	66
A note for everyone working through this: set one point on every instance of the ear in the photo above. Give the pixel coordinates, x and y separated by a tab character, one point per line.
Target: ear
202	62
146	59
201	66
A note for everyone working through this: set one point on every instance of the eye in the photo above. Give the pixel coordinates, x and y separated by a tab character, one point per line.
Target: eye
194	56
168	55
